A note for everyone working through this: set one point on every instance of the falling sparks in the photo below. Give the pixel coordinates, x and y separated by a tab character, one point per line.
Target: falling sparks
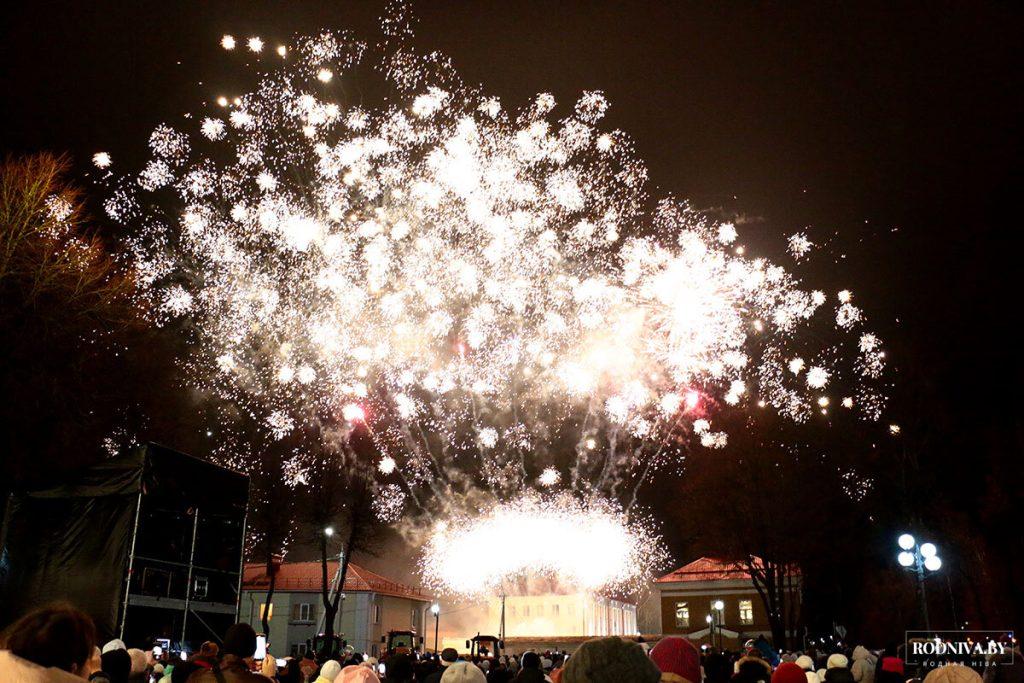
799	245
472	287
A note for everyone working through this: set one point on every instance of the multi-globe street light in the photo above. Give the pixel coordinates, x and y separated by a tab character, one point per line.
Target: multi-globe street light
919	558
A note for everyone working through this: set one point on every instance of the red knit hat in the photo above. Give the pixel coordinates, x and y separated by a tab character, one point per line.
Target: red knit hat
789	672
892	665
678	660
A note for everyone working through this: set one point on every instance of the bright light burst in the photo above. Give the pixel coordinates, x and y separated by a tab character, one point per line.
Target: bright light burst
490	293
577	546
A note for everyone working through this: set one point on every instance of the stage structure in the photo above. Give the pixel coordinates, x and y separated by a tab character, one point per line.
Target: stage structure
149	544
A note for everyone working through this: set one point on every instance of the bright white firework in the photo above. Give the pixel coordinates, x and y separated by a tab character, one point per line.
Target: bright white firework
599	548
101	159
473	286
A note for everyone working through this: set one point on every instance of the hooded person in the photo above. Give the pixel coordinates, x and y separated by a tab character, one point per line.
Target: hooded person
329	671
357	673
953	673
677	659
863	667
610	660
463	672
115	644
805	663
789	672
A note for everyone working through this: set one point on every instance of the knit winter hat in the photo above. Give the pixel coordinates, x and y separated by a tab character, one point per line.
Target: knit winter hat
610	660
805	663
330	670
357	673
837	661
678	660
953	673
115	644
463	672
789	672
893	665
813	677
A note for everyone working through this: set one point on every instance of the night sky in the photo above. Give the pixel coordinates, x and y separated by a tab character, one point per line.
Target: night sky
891	129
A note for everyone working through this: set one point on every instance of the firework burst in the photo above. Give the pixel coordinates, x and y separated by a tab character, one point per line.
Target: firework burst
490	293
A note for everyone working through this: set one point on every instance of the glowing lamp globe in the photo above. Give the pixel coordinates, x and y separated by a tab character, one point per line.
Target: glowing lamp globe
906	559
928	550
719	605
906	541
933	563
435	609
708	618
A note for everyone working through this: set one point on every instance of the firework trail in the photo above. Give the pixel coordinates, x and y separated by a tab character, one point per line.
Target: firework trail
491	293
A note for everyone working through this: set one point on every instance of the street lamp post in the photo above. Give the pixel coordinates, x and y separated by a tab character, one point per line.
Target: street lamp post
435	609
711	629
919	558
719	606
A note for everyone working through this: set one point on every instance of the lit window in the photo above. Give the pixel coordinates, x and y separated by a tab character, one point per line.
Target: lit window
554	610
269	612
376	614
682	615
746	611
305	612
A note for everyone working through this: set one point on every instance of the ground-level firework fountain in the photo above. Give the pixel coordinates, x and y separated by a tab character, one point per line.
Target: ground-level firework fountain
491	295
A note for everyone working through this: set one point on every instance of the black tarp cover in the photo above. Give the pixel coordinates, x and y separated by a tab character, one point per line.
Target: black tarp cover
72	542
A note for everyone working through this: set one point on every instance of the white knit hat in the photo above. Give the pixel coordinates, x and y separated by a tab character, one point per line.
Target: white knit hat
463	672
837	661
805	663
115	644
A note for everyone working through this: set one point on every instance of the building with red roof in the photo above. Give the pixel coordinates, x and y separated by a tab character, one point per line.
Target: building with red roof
682	603
372	605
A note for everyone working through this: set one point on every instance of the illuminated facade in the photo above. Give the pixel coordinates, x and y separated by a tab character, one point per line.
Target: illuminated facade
573	614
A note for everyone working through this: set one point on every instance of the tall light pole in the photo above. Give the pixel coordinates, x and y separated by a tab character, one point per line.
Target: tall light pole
711	629
719	606
435	609
919	558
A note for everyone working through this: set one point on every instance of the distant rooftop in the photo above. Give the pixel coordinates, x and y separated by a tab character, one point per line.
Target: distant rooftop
708	569
307	577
